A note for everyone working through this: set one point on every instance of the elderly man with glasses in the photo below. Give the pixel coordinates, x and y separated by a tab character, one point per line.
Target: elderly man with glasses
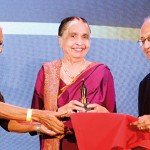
143	123
17	119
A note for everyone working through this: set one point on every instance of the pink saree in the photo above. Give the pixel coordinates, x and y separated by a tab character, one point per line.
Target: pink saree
51	92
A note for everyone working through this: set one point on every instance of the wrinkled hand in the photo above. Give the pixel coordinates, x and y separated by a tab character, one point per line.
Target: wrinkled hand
45	130
49	119
143	123
72	106
97	108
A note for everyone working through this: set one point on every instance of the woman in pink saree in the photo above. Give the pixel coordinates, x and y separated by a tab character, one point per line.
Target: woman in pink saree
58	83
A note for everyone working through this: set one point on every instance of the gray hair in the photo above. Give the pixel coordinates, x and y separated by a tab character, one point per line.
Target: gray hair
147	19
66	21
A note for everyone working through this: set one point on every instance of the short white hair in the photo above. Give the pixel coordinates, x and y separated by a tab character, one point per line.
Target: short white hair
147	19
1	27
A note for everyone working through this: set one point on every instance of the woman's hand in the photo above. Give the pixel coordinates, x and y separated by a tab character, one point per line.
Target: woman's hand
143	123
97	108
72	106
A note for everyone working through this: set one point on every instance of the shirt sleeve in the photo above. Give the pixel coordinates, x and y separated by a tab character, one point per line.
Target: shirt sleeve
3	122
1	98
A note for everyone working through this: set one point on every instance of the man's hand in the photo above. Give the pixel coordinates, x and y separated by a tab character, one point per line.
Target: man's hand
50	120
45	130
143	123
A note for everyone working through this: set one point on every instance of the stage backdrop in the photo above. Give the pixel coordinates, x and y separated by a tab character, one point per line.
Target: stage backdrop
30	39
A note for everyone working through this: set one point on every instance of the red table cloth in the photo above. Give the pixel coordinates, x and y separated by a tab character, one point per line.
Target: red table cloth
108	131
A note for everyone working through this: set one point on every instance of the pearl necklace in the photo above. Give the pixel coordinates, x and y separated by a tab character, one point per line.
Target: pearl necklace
68	73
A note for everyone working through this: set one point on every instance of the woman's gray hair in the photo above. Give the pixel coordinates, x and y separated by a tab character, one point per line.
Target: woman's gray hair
64	23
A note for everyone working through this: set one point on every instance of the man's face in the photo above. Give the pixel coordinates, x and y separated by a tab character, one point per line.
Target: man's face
145	37
1	39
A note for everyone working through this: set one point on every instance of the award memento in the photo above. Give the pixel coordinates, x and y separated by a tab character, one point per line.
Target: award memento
84	95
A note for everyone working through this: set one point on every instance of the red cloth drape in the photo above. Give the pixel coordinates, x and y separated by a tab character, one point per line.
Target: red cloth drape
107	131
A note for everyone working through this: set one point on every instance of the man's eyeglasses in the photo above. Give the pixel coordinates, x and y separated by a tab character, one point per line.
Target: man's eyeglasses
1	45
142	41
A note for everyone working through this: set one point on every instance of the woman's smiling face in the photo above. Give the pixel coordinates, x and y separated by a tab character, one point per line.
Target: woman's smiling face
75	40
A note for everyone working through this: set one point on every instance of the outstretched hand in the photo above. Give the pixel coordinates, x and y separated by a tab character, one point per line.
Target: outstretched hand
45	130
143	123
49	119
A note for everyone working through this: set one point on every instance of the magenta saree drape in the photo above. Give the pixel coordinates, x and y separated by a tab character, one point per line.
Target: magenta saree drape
49	95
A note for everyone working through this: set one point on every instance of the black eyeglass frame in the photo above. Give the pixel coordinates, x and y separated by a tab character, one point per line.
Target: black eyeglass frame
1	45
141	42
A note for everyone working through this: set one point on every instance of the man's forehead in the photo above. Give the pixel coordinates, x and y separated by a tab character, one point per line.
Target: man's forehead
146	24
145	29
